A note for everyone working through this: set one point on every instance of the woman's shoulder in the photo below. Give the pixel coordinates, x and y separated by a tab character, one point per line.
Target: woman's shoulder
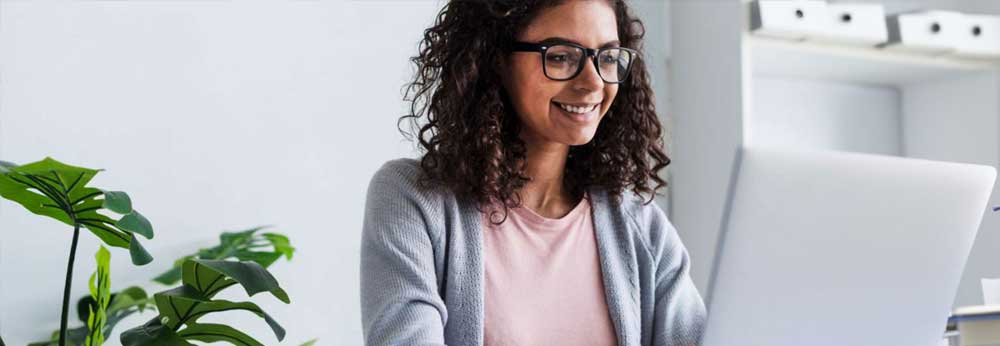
397	195
403	168
400	173
402	177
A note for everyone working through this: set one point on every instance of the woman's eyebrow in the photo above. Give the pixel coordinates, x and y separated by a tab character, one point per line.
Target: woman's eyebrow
557	39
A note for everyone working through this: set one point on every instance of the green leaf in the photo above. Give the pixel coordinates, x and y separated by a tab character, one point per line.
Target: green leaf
175	304
265	259
116	317
84	305
211	276
153	333
66	179
40	197
309	343
281	244
101	225
228	239
124	303
130	297
59	191
138	253
218	333
242	245
185	305
100	290
136	223
117	201
5	167
173	275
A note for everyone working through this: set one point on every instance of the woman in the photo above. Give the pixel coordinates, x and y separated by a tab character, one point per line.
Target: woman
522	223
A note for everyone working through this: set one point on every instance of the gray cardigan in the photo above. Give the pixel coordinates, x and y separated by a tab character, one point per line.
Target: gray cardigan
422	267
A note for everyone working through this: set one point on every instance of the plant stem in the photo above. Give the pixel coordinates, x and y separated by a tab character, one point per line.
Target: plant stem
1	342
69	282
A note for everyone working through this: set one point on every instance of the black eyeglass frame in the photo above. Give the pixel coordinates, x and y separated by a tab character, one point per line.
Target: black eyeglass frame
520	46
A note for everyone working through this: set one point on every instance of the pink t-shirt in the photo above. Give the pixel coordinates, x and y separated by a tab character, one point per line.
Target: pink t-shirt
543	283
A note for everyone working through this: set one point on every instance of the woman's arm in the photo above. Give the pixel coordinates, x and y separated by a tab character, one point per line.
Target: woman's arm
680	316
399	300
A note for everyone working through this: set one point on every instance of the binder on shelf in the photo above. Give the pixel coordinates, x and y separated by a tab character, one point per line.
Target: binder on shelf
927	32
977	325
954	36
979	37
853	24
795	20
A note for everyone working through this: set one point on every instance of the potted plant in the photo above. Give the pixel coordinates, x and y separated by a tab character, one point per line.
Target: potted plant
59	191
263	248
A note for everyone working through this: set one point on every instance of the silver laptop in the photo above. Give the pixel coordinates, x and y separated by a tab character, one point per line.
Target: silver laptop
832	248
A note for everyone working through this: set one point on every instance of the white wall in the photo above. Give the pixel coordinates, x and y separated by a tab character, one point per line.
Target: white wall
657	54
818	114
213	115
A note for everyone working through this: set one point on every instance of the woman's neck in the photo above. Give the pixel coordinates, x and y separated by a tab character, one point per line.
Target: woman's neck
546	192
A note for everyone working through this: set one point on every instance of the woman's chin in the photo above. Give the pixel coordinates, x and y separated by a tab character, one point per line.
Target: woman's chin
580	139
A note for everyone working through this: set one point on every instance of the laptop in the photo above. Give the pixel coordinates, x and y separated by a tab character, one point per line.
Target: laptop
828	248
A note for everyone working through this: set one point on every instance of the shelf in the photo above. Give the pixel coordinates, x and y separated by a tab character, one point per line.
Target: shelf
867	65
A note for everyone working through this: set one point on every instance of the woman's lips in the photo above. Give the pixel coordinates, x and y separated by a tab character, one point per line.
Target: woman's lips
585	117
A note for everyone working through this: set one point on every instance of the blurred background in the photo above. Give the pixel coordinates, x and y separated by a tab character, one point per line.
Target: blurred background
223	115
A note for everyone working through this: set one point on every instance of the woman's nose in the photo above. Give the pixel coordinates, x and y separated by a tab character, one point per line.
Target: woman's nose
589	79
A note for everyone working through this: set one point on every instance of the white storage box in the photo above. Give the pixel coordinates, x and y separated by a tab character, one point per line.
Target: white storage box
979	37
787	19
931	32
977	325
854	24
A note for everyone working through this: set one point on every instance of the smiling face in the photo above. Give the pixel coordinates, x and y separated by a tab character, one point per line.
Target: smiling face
563	112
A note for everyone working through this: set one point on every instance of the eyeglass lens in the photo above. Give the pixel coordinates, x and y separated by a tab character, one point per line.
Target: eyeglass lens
563	62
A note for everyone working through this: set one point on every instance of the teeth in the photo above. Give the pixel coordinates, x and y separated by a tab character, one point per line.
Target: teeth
578	110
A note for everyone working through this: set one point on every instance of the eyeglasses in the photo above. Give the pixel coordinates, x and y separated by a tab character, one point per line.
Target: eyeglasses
564	61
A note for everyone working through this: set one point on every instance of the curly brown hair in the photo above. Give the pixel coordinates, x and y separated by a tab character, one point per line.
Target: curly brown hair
470	138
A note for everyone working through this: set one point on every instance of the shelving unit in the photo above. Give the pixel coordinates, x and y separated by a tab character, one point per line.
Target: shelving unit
817	61
731	88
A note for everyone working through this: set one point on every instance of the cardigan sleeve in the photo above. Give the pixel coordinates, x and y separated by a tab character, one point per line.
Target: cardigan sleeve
680	316
400	304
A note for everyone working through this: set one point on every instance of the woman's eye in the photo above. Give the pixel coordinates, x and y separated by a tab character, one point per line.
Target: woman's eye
558	57
609	60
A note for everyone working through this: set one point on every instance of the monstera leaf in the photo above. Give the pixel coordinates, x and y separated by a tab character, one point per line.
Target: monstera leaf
248	245
180	308
153	333
59	191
